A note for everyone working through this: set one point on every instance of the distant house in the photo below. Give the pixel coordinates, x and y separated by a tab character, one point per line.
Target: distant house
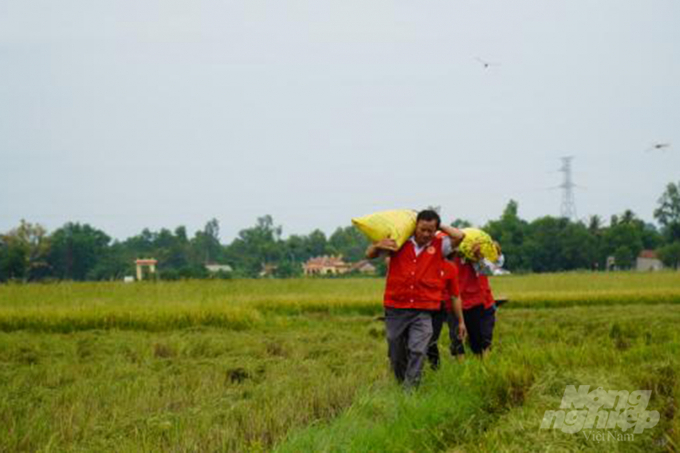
363	267
215	268
648	261
268	270
326	265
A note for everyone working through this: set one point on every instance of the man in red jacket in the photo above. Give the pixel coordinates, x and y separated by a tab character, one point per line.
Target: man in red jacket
413	291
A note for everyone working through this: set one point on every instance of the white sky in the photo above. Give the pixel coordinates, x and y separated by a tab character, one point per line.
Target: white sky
127	114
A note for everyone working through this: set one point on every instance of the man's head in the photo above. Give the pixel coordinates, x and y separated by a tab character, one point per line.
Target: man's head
427	224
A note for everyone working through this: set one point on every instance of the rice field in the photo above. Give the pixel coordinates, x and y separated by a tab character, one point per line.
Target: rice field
300	365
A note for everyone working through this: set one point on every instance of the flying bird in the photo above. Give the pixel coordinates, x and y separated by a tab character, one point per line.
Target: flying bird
486	64
658	146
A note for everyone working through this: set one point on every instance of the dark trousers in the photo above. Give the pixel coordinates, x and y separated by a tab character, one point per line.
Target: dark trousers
456	347
479	323
438	319
408	336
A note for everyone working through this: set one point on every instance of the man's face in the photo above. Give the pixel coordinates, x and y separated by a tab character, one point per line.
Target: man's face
425	231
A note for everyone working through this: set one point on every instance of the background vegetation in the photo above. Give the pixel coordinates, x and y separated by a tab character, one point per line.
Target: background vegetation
547	244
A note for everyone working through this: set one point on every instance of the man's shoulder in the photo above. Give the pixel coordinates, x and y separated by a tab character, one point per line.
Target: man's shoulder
409	243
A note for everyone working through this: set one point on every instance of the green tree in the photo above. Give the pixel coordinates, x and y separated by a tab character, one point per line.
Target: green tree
596	230
3	257
579	247
670	255
543	248
142	245
348	242
114	264
295	249
461	223
648	233
178	257
25	253
510	231
624	257
557	244
172	250
76	250
206	243
317	244
623	240
288	269
256	247
595	224
668	212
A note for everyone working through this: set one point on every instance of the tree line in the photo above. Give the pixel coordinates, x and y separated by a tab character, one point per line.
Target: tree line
82	252
548	244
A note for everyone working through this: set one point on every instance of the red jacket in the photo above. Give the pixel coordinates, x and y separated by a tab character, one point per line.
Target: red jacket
415	282
474	289
451	288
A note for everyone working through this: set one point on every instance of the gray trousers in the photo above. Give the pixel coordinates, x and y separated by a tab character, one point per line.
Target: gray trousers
408	336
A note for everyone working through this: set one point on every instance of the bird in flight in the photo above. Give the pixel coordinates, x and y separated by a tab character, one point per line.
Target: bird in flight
486	64
658	146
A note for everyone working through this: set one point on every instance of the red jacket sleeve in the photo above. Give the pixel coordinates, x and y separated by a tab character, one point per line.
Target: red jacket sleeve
452	280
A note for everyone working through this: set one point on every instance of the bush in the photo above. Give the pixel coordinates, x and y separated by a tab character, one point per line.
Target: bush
670	255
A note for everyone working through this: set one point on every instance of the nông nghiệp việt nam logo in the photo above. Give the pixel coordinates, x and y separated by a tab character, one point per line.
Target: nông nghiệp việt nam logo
601	409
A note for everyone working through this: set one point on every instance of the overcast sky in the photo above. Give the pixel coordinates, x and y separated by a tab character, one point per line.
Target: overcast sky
127	114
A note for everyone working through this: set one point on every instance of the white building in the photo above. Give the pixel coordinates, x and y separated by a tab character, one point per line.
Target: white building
214	268
648	261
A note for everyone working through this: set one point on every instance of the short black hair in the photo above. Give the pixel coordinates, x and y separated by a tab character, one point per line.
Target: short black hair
428	215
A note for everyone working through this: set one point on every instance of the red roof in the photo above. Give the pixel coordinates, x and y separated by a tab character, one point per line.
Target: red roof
651	254
325	261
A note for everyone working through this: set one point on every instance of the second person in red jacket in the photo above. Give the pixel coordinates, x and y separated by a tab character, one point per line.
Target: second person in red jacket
479	307
450	312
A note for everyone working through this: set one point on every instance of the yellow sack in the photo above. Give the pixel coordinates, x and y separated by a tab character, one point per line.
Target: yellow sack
473	236
398	225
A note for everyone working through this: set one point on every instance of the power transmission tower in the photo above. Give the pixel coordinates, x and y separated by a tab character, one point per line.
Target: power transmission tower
568	203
